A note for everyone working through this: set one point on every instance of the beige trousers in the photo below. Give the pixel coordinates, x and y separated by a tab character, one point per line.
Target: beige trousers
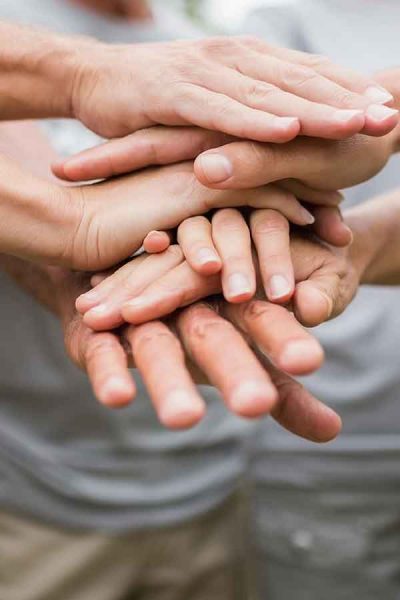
200	560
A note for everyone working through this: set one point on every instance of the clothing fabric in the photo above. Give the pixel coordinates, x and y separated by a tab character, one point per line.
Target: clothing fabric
327	517
202	560
64	459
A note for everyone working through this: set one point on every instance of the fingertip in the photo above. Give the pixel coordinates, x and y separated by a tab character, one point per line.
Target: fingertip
301	357
181	410
329	427
253	399
156	242
312	306
117	392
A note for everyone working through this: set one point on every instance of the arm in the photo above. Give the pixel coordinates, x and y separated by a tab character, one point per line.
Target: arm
239	86
376	248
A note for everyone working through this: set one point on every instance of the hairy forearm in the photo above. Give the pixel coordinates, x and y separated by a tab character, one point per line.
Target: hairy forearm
37	72
376	247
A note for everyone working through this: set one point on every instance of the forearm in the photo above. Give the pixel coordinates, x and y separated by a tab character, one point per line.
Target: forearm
37	72
37	220
376	248
55	288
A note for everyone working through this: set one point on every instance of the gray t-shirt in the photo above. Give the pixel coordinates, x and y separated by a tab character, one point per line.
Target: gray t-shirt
333	508
63	457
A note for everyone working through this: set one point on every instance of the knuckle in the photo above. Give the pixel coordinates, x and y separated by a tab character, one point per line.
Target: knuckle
269	222
297	76
152	335
228	219
208	327
219	44
317	61
258	93
98	345
175	252
257	310
192	223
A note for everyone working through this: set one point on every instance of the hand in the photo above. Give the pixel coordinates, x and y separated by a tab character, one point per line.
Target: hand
116	215
239	86
224	244
326	281
241	377
226	164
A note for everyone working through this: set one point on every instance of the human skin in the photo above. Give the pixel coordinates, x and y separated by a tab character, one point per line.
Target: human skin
248	383
327	278
240	86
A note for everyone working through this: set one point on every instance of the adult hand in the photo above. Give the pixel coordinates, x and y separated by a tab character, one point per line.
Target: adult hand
228	164
326	278
116	215
249	384
240	86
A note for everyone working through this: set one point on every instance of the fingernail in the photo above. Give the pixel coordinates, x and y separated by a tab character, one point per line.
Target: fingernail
238	284
206	255
378	94
216	167
115	390
97	311
90	296
287	122
307	217
278	287
343	116
379	113
253	399
300	353
136	302
179	409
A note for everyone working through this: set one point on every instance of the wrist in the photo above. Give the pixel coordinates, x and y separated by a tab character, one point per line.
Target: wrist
38	219
37	72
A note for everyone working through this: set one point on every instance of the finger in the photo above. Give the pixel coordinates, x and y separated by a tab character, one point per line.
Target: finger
316	119
223	355
98	278
277	333
233	118
157	352
330	227
179	287
310	195
318	79
107	282
300	412
270	232
244	165
232	239
144	148
195	240
270	196
157	241
107	313
106	364
347	78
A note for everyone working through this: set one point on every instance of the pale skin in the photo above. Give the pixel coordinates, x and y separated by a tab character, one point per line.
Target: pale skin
249	385
241	87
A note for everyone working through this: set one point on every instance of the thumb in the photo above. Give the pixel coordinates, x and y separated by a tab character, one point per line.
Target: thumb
144	148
